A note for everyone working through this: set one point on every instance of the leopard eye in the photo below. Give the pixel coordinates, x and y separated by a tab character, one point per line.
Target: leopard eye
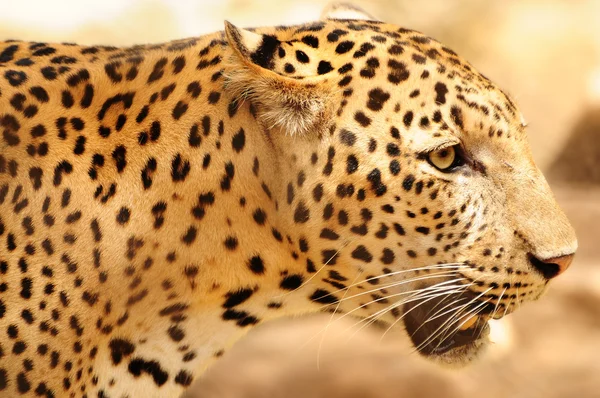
445	159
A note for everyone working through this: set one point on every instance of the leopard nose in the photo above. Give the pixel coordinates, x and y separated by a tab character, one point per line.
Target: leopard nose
551	267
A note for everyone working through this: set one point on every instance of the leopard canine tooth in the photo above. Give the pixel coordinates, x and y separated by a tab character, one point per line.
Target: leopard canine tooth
469	323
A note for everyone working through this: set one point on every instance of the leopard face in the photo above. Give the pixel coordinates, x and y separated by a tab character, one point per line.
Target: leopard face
158	201
420	181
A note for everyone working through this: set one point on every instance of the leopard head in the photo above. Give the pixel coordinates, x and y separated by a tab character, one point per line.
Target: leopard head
407	176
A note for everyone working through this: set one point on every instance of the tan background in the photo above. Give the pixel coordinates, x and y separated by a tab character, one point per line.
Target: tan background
547	54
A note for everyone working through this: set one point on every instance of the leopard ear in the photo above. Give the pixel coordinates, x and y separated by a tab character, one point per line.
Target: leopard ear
296	106
343	10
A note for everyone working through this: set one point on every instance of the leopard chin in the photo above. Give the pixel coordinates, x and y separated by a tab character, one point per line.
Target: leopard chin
462	355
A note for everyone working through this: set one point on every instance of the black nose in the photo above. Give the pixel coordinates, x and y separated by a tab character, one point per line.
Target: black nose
551	267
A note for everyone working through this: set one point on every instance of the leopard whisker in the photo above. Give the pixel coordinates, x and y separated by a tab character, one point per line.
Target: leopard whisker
379	287
441	329
444	327
437	313
507	307
463	288
498	303
467	316
394	284
329	322
429	267
414	294
420	294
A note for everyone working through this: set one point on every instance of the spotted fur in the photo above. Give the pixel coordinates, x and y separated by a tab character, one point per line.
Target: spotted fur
158	201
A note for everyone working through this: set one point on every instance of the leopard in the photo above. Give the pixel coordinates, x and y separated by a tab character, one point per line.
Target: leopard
159	201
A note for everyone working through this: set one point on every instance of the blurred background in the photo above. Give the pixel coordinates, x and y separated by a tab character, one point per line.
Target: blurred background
547	55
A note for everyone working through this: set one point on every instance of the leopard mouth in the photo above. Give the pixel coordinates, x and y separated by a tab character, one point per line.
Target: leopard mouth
449	326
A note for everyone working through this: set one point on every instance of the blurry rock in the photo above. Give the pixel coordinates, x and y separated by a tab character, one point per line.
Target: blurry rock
578	161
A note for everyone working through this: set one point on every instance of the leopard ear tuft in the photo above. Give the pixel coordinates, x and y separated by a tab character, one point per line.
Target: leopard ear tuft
246	43
343	10
295	106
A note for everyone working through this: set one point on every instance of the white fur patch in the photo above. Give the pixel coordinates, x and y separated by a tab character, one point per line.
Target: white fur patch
346	11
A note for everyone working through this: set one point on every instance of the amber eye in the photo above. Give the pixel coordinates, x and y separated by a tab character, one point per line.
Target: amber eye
444	159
